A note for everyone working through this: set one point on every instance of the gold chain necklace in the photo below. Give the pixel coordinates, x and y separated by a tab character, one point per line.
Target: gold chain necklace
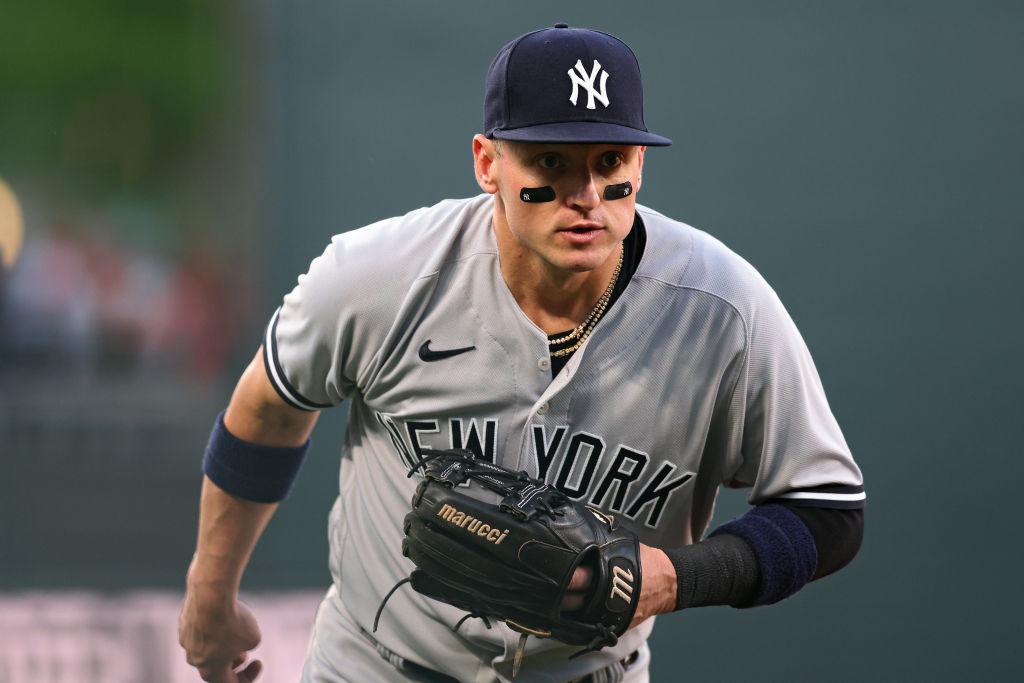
583	330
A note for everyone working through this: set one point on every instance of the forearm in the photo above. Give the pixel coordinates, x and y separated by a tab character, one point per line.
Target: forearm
721	570
229	527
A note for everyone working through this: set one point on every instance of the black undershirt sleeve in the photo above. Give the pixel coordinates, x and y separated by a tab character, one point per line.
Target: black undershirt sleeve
837	535
721	570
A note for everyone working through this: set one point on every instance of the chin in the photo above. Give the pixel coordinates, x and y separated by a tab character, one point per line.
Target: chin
583	263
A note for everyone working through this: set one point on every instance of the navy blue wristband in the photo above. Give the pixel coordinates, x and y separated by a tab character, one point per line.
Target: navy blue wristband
263	474
786	553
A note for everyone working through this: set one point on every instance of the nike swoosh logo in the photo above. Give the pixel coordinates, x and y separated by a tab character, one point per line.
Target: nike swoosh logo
429	355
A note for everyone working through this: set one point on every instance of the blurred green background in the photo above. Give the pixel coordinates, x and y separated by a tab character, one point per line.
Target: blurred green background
178	163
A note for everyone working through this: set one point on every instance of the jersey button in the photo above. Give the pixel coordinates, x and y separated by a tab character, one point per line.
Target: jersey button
543	409
544	364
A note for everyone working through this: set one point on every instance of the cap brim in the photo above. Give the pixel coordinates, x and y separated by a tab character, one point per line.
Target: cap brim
582	132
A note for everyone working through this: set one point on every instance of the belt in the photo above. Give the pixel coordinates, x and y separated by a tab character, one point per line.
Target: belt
609	674
613	673
426	674
403	664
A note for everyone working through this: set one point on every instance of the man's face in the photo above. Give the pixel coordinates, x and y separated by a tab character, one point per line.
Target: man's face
580	229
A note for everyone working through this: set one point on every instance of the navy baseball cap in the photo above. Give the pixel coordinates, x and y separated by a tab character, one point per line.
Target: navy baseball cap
567	84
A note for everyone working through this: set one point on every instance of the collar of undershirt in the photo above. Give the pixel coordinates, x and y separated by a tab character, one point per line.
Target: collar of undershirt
632	252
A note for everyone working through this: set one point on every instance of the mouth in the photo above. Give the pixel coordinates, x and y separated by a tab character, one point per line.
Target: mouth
582	232
582	228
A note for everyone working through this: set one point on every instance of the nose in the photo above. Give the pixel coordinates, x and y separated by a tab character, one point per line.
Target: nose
583	195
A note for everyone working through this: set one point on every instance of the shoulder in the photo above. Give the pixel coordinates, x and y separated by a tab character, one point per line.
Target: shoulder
686	258
389	255
447	229
371	270
336	320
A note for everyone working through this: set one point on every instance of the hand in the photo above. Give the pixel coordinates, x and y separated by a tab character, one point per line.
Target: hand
657	586
218	640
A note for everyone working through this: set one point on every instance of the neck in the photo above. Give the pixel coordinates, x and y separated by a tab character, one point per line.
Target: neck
555	299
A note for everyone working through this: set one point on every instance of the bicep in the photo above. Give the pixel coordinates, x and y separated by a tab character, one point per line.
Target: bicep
259	415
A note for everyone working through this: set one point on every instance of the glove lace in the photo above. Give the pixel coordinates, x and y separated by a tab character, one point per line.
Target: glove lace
380	610
424	459
545	506
604	637
476	615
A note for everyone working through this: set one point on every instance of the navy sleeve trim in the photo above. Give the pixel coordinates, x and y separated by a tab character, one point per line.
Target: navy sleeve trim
837	496
275	372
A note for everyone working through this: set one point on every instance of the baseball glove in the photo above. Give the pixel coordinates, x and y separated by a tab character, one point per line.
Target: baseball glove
506	546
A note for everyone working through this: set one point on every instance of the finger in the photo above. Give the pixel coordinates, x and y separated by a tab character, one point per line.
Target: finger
576	593
216	674
250	672
581	578
572	602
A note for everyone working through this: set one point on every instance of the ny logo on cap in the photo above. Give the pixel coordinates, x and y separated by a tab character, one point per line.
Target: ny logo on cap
582	78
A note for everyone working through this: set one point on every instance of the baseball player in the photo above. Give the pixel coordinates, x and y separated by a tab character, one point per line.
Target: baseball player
550	325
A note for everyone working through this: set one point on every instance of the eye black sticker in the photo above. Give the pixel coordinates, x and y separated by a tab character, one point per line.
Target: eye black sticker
538	194
619	191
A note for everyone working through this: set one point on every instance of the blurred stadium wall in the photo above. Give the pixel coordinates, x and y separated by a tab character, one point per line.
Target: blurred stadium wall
81	637
131	206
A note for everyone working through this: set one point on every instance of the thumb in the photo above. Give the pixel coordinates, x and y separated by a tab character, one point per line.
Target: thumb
249	628
250	672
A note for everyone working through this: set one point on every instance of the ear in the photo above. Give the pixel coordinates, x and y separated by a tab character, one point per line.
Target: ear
640	168
485	164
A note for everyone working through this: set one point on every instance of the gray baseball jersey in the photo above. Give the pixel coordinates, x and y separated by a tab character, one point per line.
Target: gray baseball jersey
696	378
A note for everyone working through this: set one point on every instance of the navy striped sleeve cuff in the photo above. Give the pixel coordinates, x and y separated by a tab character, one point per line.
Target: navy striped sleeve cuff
836	496
275	372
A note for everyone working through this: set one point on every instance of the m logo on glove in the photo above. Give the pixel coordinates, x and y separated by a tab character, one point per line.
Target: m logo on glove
622	584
